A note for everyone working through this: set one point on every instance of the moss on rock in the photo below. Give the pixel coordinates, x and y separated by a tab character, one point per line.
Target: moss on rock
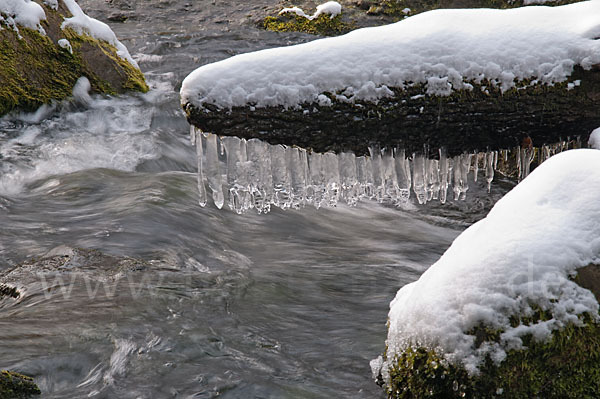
35	70
323	25
16	386
567	366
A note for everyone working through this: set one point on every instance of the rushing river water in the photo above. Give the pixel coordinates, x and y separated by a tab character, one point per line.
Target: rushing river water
291	304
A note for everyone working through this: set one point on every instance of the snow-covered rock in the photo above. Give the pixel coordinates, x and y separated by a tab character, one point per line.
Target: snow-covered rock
446	50
460	79
41	33
520	258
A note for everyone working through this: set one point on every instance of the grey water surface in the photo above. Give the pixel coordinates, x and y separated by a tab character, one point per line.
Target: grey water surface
291	304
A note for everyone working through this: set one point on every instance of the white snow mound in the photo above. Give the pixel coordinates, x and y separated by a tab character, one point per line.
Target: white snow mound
522	253
22	12
82	23
444	49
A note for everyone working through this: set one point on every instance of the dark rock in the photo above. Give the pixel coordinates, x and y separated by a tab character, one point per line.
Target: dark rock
16	386
463	121
8	291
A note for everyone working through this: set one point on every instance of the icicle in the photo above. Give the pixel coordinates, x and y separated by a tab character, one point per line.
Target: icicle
213	171
495	160
388	174
333	178
259	175
490	158
434	179
377	175
281	179
364	175
456	184
465	160
526	157
237	171
296	158
348	178
519	163
402	175
444	169
196	138
476	156
317	189
419	178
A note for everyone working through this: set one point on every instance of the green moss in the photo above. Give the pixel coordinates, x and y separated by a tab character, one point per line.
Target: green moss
323	25
567	366
16	386
34	70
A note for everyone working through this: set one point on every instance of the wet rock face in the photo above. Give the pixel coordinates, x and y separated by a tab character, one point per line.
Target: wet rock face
35	69
16	386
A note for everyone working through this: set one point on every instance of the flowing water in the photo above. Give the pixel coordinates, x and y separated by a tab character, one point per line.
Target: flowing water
287	304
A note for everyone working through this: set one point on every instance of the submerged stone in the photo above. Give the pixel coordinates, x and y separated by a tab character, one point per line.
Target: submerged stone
17	386
39	67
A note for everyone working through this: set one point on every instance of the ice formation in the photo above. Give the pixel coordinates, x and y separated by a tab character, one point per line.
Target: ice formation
29	14
444	50
332	8
521	254
251	174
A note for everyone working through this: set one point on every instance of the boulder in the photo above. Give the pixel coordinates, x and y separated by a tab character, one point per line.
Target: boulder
511	309
40	64
462	80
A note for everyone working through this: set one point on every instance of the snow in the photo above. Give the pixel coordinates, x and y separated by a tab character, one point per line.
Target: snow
522	253
294	10
83	24
332	8
64	43
22	12
445	50
594	140
53	4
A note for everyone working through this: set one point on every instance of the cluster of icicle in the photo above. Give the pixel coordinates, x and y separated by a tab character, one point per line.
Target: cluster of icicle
252	174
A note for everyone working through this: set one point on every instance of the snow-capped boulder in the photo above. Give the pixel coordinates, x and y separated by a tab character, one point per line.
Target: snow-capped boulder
460	79
46	46
511	309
